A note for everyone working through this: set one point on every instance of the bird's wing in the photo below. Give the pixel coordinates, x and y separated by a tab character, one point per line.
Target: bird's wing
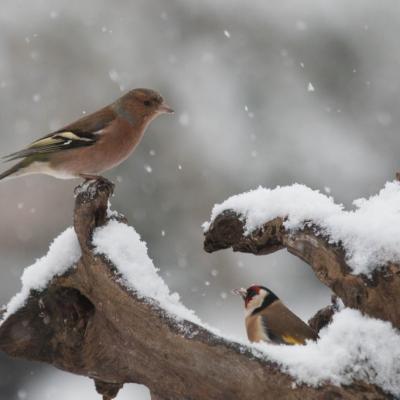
91	123
83	132
53	143
285	327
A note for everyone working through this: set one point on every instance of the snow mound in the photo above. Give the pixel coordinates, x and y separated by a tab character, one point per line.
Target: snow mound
353	347
122	245
63	253
370	234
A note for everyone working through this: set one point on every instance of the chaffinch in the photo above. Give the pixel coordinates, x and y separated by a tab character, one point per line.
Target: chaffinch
268	319
94	143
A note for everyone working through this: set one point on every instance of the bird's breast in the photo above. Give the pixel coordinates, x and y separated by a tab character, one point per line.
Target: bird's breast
118	141
256	331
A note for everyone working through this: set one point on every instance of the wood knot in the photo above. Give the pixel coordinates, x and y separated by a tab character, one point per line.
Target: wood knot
225	231
90	190
108	390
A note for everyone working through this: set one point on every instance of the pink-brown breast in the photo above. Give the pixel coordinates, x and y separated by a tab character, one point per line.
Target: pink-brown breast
116	142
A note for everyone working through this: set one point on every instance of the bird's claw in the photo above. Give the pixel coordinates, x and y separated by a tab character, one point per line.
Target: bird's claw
93	181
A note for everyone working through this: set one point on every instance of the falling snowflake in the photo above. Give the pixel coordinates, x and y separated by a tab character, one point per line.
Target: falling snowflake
184	119
113	74
301	25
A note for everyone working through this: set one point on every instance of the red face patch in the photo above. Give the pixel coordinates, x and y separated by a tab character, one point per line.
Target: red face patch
251	292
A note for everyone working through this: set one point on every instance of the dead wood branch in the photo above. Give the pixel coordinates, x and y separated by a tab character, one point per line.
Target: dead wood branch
87	323
377	296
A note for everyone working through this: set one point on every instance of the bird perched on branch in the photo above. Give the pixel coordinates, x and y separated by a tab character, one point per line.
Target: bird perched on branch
92	144
268	319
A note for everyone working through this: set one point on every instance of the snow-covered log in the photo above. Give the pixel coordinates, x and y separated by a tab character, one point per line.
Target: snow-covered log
95	306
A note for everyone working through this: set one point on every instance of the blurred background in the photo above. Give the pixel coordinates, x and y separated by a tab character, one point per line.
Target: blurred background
265	93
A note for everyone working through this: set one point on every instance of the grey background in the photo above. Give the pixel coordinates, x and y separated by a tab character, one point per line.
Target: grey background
244	117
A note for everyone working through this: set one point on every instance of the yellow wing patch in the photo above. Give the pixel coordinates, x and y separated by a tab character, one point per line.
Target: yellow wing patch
72	136
46	142
59	138
291	340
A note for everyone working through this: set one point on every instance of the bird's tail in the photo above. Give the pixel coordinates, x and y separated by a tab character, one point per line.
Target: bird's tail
12	171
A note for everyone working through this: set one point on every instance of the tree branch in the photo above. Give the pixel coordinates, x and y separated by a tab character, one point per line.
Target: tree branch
87	323
377	296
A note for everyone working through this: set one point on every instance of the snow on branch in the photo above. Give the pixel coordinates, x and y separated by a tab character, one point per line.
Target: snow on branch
96	306
369	234
355	253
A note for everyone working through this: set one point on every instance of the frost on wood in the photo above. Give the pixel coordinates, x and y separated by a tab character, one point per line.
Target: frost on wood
95	306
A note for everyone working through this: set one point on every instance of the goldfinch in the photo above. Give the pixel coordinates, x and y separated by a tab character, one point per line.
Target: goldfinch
268	319
94	143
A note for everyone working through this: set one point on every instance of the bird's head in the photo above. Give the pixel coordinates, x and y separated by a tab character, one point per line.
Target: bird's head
256	297
144	104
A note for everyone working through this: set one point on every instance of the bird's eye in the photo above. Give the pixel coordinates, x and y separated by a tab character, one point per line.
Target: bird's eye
147	103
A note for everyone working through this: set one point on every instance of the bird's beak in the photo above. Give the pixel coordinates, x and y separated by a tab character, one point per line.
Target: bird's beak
165	108
240	292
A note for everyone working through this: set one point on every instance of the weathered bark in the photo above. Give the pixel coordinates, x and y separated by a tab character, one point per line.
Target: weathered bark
377	296
324	316
87	323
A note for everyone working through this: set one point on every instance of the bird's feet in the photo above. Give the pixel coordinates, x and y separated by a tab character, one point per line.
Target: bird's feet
93	183
89	177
